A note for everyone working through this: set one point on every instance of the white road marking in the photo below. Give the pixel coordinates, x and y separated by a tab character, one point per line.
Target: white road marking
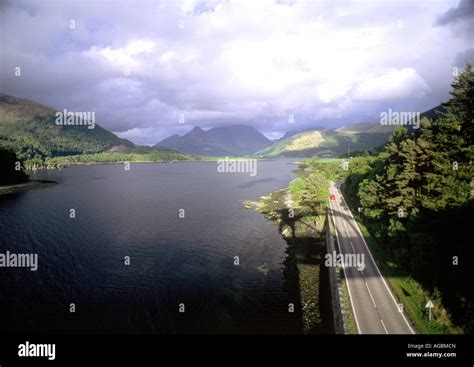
352	245
386	331
345	275
370	294
377	268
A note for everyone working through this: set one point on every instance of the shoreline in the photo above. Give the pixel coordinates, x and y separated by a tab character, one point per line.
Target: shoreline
210	159
25	186
307	280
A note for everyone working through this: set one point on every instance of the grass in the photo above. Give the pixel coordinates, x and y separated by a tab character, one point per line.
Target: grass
326	160
302	141
335	143
296	188
307	140
407	290
351	327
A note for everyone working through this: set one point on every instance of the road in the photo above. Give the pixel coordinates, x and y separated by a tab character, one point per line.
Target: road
375	308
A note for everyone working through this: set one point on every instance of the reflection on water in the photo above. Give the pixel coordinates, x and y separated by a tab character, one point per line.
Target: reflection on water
173	260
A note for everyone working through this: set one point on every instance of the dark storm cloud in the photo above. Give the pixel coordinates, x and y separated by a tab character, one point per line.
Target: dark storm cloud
463	12
464	58
459	19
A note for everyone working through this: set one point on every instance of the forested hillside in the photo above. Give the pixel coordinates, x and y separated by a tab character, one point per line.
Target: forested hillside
29	129
417	200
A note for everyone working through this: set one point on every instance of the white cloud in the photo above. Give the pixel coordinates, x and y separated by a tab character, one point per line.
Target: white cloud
395	85
236	61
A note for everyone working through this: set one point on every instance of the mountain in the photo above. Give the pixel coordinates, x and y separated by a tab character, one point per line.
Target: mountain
378	128
347	138
29	129
218	141
298	145
327	143
173	139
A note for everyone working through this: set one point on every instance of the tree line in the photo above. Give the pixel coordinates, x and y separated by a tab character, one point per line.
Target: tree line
417	199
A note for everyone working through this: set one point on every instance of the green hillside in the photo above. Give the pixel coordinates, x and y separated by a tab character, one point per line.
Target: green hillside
325	143
303	143
29	129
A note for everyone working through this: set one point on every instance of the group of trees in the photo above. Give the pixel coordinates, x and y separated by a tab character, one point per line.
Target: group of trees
310	189
156	155
417	199
10	168
30	131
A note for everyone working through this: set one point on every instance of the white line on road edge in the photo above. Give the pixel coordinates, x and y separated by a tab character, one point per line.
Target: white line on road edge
370	294
345	275
376	266
345	226
347	230
352	245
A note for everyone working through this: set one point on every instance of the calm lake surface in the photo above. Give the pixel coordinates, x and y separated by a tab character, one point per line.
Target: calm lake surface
173	260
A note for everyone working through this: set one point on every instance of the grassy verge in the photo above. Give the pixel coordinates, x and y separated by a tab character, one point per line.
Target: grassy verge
407	290
351	327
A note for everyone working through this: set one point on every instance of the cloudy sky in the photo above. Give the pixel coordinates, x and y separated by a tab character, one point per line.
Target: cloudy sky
142	64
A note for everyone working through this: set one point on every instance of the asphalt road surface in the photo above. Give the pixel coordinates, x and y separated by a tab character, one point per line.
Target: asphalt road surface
375	309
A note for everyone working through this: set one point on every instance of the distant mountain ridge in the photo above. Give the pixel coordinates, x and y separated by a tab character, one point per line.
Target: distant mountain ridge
245	140
324	143
333	143
29	129
219	141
